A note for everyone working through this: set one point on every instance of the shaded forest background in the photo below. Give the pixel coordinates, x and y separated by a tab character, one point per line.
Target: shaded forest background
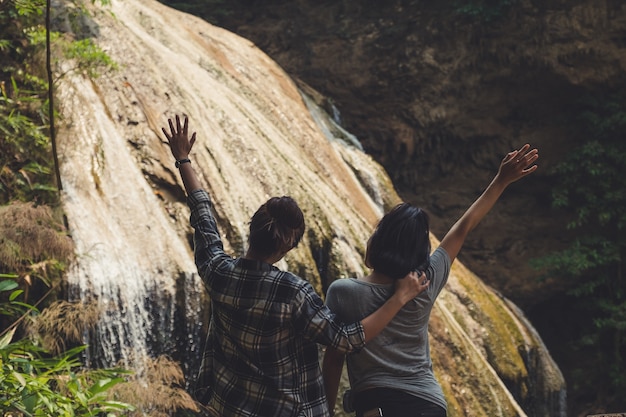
438	92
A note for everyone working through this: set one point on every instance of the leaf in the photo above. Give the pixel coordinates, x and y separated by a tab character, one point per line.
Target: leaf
6	339
25	305
20	378
15	294
104	384
115	406
8	285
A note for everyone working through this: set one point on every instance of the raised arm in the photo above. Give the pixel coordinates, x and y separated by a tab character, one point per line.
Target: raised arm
180	145
515	165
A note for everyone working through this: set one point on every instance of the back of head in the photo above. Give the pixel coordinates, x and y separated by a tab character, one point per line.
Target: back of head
400	243
278	225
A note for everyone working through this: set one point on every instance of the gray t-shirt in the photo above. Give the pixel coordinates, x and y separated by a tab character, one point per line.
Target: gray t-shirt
399	357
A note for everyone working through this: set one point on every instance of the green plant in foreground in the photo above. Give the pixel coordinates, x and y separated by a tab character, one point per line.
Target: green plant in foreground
35	383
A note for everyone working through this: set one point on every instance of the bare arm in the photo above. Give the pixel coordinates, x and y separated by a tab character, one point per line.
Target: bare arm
332	367
180	145
515	165
406	289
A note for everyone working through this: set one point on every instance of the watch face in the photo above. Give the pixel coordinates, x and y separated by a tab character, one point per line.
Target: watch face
182	161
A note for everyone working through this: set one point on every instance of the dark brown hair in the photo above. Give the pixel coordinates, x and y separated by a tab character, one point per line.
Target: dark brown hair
400	243
278	225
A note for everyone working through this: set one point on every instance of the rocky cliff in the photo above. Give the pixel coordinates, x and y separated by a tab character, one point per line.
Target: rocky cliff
258	135
435	90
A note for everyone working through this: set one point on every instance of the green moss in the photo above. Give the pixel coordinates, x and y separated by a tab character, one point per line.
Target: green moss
503	341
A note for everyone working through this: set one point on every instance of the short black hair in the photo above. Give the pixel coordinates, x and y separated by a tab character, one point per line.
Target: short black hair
400	243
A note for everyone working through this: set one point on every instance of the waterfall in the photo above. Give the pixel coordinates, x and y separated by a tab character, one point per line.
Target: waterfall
129	257
330	124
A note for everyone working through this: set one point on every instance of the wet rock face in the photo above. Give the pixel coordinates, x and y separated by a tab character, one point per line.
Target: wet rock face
438	92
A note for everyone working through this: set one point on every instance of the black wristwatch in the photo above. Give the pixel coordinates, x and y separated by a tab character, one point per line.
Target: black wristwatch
182	161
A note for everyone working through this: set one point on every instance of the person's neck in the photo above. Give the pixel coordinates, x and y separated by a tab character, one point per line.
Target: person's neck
378	278
272	259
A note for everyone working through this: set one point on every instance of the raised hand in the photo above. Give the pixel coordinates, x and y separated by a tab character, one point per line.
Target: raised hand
180	145
178	139
517	164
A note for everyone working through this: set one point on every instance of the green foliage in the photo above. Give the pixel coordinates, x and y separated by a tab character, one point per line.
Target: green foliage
25	170
29	7
34	383
89	57
26	163
16	18
9	291
591	187
25	160
39	386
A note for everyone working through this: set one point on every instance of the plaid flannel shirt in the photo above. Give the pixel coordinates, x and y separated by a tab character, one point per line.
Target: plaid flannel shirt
261	356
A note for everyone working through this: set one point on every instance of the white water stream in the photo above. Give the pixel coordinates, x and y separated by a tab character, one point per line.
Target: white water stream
128	252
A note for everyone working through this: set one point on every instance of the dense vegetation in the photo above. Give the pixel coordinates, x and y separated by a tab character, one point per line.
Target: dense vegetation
40	374
41	334
590	185
35	382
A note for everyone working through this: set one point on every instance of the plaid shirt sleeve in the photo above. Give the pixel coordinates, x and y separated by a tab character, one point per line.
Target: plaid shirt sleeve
322	326
207	242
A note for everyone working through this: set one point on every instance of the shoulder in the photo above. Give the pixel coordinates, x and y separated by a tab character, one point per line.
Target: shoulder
439	270
440	256
296	290
287	282
341	291
342	286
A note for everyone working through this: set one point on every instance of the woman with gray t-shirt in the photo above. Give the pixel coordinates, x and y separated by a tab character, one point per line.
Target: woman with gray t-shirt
392	375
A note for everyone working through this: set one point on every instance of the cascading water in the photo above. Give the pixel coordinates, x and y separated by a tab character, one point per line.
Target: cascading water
129	258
